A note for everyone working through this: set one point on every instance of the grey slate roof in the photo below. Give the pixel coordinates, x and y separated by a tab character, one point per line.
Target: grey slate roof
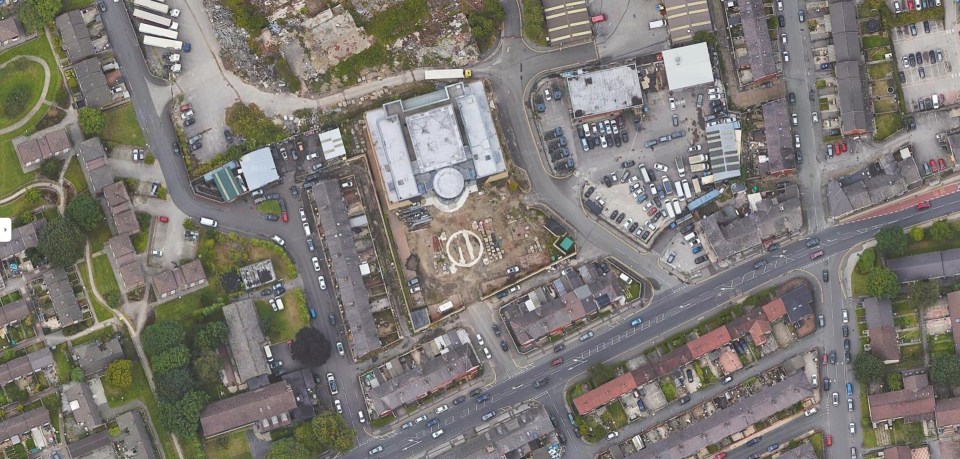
850	90
267	408
16	425
76	37
135	441
95	356
61	294
880	326
22	238
93	83
246	339
14	312
94	160
79	401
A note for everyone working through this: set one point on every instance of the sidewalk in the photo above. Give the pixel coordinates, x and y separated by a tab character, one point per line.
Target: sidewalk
927	193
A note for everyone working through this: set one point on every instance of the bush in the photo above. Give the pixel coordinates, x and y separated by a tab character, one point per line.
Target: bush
246	16
398	21
485	23
867	261
883	283
119	374
16	101
50	168
916	233
250	123
534	23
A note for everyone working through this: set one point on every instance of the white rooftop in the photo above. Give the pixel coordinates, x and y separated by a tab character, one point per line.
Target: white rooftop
688	66
604	91
393	156
436	138
331	142
259	168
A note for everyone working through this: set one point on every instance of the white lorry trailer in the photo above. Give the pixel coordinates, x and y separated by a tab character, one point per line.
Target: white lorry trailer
447	74
152	18
149	29
152	6
165	43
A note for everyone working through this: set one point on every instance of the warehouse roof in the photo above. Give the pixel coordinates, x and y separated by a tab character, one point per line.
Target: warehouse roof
604	91
259	169
688	66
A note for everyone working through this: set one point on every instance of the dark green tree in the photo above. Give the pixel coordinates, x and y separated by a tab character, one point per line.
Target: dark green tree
119	374
332	432
924	293
883	283
162	335
288	448
868	368
940	230
250	123
34	14
207	367
85	212
61	242
16	101
175	357
50	168
114	298
945	370
310	347
891	241
211	336
868	261
174	384
92	121
183	417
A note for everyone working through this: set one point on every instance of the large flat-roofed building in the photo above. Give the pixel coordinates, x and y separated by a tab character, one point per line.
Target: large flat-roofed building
604	92
685	18
258	169
566	21
436	145
688	66
724	146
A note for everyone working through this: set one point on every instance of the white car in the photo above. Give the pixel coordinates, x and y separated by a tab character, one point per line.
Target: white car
796	140
680	168
316	263
157	253
340	349
323	282
612	435
513	270
673	103
336	403
783	38
306	229
479	339
853	429
437	433
816	117
786	56
363	419
660	167
487	353
303	215
603	142
795	119
273	304
846	316
696	147
547	95
810	412
279	240
647	206
442	408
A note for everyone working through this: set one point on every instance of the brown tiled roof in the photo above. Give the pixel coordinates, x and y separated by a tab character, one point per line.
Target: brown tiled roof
192	273
57	140
883	334
775	309
948	412
912	405
897	452
9	29
116	194
709	342
759	332
94	160
605	393
165	284
267	407
29	152
729	360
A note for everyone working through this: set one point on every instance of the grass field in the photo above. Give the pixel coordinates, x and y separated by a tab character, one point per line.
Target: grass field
75	176
270	206
18	206
873	41
235	446
887	125
103	275
123	127
940	344
877	71
99	309
886	104
28	76
181	309
99	236
289	321
669	390
70	5
12	177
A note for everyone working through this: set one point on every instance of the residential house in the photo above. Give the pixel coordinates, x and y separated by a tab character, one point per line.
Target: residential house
124	260
135	440
21	238
95	356
266	408
44	145
120	209
14	312
75	37
24	366
915	402
78	401
64	299
179	280
93	158
953	306
883	334
518	436
948	414
35	419
93	83
10	31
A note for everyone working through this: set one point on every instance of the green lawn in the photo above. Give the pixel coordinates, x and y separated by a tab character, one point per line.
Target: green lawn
270	206
287	322
75	176
181	309
873	41
886	104
140	389
930	245
28	77
103	275
669	390
123	127
62	360
12	177
941	344
229	446
878	71
70	5
616	415
14	208
99	236
99	309
887	124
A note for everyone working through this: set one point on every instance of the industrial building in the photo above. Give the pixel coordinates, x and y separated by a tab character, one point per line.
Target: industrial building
604	92
688	66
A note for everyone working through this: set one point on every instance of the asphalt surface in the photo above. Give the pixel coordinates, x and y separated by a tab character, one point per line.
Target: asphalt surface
512	69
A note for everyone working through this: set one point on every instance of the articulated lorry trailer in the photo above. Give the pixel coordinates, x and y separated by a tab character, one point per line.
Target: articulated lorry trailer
447	74
152	6
149	29
164	43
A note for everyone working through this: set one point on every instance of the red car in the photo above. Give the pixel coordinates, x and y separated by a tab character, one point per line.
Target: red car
829	440
823	359
933	166
163	219
843	146
720	456
836	148
817	254
943	164
185	108
923	205
284	216
598	18
910	5
557	361
652	211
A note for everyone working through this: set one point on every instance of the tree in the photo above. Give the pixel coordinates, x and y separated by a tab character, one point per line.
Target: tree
883	283
207	367
16	101
331	432
174	384
34	14
161	336
85	212
916	233
211	336
183	417
310	347
891	241
61	242
304	435
868	261
76	374
287	448
119	374
50	168
250	123
945	369
940	230
600	373
176	357
868	368
92	121
924	293
114	298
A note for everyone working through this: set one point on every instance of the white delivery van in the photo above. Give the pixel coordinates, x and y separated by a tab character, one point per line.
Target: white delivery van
936	101
208	222
266	350
657	24
279	302
690	236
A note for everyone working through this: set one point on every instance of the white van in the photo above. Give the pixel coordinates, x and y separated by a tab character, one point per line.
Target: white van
626	279
936	101
279	302
266	350
208	222
689	237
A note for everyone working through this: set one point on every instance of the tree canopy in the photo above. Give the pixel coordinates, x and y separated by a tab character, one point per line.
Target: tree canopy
34	14
161	336
119	374
867	261
250	123
174	384
183	417
207	367
61	242
883	283
940	230
85	212
916	233
175	357
924	293
50	168
327	430
945	369
211	336
92	121
310	347
288	448
891	241
868	368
